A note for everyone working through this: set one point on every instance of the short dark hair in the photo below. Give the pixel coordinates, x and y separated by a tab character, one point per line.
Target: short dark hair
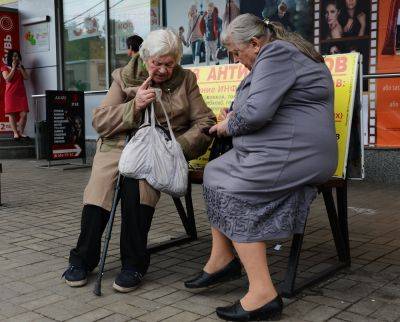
10	56
134	42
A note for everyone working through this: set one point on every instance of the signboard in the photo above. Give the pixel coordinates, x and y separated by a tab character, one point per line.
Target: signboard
388	61
36	38
65	115
218	86
88	28
123	30
9	34
345	71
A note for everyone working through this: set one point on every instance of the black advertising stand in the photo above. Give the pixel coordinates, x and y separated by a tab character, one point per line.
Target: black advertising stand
65	116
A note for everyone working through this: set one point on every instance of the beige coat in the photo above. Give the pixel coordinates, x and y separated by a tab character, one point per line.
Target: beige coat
115	118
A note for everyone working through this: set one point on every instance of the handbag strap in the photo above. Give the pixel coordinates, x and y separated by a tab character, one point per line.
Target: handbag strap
152	114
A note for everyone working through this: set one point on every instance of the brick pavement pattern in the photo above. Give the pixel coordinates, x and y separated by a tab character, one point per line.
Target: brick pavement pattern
40	221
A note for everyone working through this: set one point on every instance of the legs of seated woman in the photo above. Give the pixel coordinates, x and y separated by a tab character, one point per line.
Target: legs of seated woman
254	259
138	200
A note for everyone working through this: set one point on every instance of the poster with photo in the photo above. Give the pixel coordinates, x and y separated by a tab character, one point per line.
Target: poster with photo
199	24
345	27
290	13
388	61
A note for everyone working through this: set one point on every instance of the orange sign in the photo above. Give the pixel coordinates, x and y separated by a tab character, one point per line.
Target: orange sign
388	61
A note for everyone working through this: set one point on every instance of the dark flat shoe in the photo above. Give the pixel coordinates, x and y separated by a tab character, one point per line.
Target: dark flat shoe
230	272
271	311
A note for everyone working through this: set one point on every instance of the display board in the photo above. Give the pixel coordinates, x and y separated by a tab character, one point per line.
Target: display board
218	86
65	116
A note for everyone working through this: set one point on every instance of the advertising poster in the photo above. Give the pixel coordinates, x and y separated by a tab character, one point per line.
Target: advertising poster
218	86
65	115
200	23
9	33
89	27
123	30
345	27
36	38
388	61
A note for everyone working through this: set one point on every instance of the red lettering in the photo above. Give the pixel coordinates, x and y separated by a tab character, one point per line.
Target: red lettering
341	64
212	75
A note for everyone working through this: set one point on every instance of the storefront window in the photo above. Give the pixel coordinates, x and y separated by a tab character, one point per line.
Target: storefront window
129	18
84	45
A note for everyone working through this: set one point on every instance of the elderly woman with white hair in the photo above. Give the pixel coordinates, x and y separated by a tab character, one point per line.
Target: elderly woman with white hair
120	113
284	143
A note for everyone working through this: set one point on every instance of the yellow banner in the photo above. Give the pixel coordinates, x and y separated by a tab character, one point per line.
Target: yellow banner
344	71
218	86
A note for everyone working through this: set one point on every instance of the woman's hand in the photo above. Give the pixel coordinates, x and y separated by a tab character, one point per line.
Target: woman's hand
145	95
223	113
14	64
221	129
348	25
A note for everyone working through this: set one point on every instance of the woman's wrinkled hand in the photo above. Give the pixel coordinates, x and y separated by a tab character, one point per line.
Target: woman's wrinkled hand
220	129
223	113
145	95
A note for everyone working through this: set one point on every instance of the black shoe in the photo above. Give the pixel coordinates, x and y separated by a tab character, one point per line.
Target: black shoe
230	272
127	281
271	311
75	276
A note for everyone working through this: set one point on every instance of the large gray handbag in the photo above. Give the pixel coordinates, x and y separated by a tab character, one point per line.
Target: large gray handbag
155	156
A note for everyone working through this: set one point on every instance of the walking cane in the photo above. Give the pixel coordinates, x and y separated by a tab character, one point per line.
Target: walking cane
117	197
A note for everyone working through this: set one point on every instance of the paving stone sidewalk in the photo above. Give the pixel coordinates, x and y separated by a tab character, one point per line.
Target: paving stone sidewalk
40	220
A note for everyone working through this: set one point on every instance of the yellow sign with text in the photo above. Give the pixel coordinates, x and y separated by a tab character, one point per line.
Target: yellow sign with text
218	86
344	70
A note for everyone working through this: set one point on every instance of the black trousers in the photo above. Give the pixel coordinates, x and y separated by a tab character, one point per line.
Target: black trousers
135	225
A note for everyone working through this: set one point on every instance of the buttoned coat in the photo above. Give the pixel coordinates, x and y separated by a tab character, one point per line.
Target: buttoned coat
115	118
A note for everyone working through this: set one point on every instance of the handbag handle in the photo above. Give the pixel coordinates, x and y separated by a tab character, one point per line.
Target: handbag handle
152	114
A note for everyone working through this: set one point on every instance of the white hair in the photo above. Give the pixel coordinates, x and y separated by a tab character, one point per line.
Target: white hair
161	42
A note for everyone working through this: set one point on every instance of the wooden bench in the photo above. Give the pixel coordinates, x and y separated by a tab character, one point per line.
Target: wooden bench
337	215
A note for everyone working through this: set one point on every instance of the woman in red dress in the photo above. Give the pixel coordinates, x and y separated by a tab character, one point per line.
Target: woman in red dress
15	101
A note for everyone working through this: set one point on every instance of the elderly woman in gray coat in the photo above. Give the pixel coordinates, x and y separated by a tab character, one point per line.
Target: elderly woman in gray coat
284	143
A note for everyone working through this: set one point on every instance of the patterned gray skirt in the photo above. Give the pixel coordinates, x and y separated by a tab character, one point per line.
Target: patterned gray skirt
244	222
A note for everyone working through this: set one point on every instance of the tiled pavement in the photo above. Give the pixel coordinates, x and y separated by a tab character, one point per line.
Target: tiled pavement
39	223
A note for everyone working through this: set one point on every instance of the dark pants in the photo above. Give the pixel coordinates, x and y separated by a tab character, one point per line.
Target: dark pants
135	225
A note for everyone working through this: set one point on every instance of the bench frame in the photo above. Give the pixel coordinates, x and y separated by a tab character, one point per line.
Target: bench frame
337	215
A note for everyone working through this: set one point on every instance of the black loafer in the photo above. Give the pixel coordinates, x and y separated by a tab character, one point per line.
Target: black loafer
271	311
230	272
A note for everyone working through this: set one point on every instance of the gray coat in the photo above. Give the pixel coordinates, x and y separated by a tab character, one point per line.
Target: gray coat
283	137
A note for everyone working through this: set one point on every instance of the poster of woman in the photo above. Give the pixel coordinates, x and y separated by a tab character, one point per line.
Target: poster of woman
345	27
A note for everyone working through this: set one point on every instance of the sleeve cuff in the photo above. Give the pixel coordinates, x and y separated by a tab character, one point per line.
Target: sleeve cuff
129	119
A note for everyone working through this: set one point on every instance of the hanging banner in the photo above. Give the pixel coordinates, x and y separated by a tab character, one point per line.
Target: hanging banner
388	61
218	86
9	34
65	116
